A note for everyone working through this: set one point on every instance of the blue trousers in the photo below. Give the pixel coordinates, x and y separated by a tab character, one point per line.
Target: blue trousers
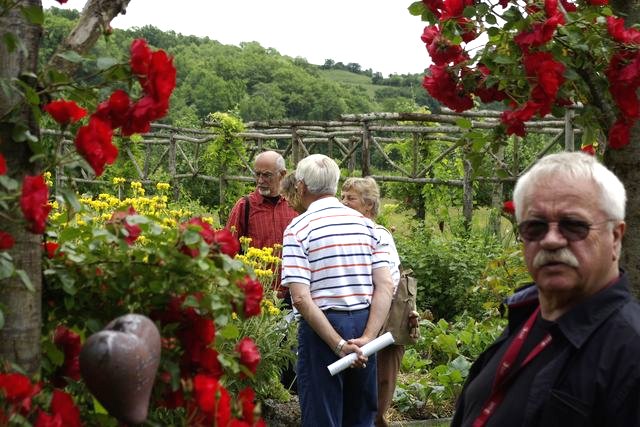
347	399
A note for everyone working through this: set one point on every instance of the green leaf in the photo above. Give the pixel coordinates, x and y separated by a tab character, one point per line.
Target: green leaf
98	408
53	352
501	59
491	19
8	183
463	123
71	56
230	332
26	280
106	62
416	8
33	14
70	197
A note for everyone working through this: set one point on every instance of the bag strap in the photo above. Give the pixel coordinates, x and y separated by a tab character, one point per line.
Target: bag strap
247	207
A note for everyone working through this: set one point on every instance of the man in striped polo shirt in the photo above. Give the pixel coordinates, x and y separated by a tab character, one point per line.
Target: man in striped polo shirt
338	275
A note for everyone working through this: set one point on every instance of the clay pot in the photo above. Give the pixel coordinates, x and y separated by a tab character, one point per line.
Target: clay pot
119	365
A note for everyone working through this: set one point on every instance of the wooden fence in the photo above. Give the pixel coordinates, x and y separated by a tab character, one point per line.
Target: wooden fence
351	141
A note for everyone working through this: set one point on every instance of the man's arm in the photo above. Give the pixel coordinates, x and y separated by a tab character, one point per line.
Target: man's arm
380	304
301	300
235	218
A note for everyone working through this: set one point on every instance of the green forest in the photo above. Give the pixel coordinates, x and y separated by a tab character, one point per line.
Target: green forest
254	82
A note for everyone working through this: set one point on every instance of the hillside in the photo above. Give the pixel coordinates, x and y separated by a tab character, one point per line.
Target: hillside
256	83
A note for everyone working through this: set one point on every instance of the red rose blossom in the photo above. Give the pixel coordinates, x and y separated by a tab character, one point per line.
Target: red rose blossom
114	111
63	406
226	242
47	420
93	142
249	353
3	165
65	112
140	57
50	248
6	241
508	207
589	149
33	202
119	221
212	398
252	295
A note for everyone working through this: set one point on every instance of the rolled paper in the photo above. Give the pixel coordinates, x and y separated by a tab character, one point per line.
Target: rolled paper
368	349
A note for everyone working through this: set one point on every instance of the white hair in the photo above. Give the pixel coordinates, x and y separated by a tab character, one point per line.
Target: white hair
576	166
319	173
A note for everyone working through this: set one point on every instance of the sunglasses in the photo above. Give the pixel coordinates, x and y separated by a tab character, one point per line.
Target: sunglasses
573	230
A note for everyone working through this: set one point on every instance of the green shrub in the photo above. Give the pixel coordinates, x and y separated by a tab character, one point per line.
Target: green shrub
447	268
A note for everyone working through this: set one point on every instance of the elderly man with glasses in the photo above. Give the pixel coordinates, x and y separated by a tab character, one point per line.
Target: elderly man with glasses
264	214
570	353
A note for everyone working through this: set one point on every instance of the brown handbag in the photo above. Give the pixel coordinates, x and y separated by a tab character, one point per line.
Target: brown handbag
403	303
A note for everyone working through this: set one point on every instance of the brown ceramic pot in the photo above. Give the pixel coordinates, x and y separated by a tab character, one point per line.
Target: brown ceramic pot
119	365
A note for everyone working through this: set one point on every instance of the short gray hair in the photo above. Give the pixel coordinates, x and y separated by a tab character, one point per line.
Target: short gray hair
575	165
368	189
319	173
276	158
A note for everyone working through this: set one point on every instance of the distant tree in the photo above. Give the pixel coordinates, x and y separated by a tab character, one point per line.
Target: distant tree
354	67
328	64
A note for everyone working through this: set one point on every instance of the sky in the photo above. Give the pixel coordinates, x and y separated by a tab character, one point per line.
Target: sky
377	34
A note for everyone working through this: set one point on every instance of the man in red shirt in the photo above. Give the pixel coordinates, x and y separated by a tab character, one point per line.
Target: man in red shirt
269	213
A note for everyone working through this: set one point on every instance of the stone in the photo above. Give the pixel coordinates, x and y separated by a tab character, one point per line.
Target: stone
119	366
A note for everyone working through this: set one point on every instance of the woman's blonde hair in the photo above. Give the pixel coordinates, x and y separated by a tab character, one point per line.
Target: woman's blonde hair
368	189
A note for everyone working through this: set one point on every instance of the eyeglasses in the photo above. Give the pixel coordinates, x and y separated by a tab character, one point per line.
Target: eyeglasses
573	230
265	175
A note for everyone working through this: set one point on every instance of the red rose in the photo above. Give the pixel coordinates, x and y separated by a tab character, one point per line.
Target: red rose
209	362
162	77
50	248
6	241
249	353
252	295
140	56
46	420
93	142
508	207
204	329
33	202
205	231
589	149
62	405
227	243
68	341
247	397
16	387
119	221
114	110
619	134
65	112
3	165
212	397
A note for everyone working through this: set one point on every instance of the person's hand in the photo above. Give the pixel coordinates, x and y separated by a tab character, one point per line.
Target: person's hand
350	347
414	318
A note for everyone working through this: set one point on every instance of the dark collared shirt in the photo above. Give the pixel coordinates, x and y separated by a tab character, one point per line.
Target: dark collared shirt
589	377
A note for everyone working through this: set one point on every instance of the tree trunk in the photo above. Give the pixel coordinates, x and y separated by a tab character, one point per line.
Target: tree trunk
625	164
20	337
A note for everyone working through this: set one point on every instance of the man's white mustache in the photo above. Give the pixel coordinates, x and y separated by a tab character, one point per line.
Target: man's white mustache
564	256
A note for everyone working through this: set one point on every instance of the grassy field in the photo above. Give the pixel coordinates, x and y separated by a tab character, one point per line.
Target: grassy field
348	78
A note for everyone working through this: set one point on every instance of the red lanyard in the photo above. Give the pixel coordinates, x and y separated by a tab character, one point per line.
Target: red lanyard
505	367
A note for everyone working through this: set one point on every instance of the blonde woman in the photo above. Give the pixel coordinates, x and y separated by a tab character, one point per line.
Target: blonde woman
289	193
363	195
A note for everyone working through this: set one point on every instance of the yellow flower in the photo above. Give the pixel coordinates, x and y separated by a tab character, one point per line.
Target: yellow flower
118	181
163	186
234	315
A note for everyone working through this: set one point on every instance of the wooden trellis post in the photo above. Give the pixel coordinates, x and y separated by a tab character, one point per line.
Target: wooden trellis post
467	191
172	167
366	154
569	140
